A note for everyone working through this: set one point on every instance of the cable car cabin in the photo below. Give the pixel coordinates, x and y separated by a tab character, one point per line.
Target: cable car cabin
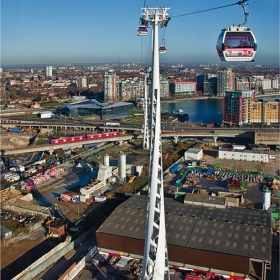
142	30
236	43
162	49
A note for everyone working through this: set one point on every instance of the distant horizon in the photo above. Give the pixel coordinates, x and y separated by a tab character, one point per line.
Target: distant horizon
68	64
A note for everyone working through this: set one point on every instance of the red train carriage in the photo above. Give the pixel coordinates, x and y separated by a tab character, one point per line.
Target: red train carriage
104	135
68	139
85	137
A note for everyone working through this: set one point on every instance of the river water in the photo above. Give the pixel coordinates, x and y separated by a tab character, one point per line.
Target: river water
202	110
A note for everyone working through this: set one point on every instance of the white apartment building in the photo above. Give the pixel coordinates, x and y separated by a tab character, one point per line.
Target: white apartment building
49	71
81	82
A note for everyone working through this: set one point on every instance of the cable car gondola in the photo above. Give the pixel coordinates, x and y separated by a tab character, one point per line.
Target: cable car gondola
162	48
237	42
142	30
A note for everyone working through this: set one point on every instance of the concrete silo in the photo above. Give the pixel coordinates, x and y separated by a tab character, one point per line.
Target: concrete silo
122	165
106	161
266	198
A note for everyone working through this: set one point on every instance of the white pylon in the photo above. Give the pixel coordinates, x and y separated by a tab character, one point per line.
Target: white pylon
155	262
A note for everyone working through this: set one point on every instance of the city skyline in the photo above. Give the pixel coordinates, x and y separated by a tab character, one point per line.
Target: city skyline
105	32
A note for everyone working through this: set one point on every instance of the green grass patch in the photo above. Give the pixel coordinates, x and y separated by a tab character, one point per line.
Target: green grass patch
133	112
40	141
51	104
28	116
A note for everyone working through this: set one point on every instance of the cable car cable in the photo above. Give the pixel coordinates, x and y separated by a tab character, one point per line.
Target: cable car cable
149	48
220	7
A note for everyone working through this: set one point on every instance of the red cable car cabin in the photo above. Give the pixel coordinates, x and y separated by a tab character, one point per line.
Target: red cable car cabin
162	49
236	43
142	30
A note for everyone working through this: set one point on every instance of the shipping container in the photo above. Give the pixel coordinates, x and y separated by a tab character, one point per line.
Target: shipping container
175	168
15	130
6	233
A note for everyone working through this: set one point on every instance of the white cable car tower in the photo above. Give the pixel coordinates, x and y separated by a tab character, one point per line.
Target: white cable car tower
155	262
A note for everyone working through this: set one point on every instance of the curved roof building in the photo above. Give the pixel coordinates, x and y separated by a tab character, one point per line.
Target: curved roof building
103	110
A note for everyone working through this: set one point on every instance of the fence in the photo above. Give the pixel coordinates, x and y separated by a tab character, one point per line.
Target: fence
23	210
51	257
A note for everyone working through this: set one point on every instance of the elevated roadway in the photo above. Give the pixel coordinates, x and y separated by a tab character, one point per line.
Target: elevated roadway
50	148
98	126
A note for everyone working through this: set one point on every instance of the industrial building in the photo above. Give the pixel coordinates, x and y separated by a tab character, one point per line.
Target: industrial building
230	241
193	153
107	173
45	114
103	110
266	137
238	152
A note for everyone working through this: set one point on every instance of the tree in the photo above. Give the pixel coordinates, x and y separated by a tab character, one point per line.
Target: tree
13	95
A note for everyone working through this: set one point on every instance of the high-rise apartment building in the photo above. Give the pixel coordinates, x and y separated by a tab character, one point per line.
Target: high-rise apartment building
164	87
49	71
183	88
275	83
111	87
255	83
81	82
131	90
269	112
242	84
207	84
240	108
225	81
237	107
116	90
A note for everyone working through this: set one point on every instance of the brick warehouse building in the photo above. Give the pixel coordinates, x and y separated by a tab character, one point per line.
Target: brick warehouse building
232	240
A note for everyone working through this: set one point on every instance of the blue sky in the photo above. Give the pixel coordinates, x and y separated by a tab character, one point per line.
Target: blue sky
88	31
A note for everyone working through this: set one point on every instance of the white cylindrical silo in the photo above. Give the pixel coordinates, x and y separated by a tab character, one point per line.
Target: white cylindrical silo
106	160
138	170
266	198
122	165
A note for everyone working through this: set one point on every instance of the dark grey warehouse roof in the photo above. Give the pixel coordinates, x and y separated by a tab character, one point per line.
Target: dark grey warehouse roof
206	199
235	231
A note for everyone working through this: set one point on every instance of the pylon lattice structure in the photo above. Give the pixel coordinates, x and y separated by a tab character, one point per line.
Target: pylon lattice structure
146	137
155	262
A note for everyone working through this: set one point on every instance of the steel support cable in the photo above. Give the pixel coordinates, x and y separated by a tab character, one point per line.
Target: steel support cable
162	40
237	3
141	50
149	48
